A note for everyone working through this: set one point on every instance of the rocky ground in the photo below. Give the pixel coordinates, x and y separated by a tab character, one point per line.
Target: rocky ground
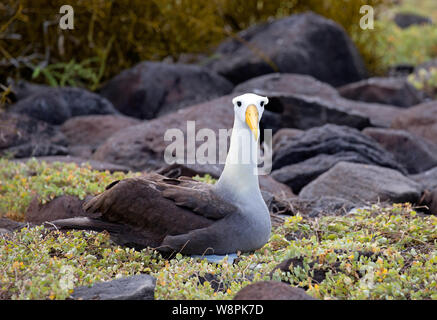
346	146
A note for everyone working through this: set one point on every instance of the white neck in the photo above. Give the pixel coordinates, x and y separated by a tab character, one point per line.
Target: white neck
239	175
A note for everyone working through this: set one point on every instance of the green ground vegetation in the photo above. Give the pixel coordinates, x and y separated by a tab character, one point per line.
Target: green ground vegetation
21	182
383	252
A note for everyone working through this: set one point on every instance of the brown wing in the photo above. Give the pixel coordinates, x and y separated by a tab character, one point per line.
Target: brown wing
196	196
159	205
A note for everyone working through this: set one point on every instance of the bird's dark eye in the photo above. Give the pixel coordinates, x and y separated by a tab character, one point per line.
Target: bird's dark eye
261	103
239	103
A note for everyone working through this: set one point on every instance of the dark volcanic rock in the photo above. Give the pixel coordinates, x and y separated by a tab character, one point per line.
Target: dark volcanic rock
9	226
137	287
22	89
272	290
152	89
291	83
396	91
62	207
142	146
23	136
283	136
279	190
413	152
302	43
333	140
420	120
298	175
298	101
316	207
407	19
360	183
56	105
304	112
86	133
427	179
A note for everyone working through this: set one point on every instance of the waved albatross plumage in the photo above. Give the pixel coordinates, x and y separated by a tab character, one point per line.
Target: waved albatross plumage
187	216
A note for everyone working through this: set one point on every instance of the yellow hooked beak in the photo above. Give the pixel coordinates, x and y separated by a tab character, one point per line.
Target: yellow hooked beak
252	119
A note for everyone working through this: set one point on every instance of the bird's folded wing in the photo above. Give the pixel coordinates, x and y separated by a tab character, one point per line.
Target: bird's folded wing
139	202
157	202
199	197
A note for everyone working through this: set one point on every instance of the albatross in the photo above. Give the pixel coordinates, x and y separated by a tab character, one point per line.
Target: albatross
188	216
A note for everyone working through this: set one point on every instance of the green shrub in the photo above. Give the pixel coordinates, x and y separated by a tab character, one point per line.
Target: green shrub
425	80
119	34
72	74
413	45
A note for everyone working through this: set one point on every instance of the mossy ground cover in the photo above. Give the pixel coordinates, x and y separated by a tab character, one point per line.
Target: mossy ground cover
20	182
384	252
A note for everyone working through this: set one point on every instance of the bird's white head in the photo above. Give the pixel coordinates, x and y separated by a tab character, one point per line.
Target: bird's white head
249	108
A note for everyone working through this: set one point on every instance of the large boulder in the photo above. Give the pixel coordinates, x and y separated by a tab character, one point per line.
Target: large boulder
361	184
142	146
298	175
152	89
427	179
271	290
302	43
136	287
85	133
298	101
56	105
292	83
414	152
316	207
22	89
420	120
283	136
22	136
396	91
304	112
331	140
